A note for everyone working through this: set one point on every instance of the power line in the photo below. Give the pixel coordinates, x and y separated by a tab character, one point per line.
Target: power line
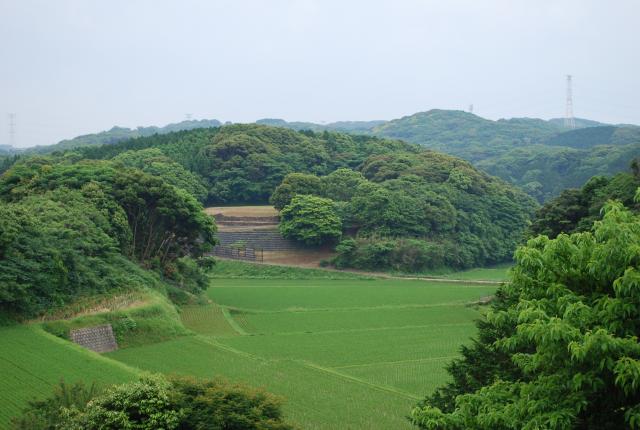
569	120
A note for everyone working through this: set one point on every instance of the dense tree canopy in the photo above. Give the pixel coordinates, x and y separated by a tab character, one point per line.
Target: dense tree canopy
540	156
72	228
311	220
154	162
165	222
559	349
576	209
467	217
56	245
243	163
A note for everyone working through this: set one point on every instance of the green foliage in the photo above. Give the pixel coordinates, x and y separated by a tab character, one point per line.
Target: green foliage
544	171
405	255
539	156
165	222
311	220
189	274
577	209
154	403
56	246
560	345
146	405
217	405
292	184
119	134
72	228
154	162
341	185
463	217
243	163
67	401
152	319
464	134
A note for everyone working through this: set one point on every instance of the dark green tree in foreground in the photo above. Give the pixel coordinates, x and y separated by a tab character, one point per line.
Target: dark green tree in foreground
560	347
154	403
311	220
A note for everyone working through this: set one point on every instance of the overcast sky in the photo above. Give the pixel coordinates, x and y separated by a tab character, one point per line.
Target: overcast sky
76	67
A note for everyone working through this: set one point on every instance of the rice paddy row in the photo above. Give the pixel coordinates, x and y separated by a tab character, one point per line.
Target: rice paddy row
350	353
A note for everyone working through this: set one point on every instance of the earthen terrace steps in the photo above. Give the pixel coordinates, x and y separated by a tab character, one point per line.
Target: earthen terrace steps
265	240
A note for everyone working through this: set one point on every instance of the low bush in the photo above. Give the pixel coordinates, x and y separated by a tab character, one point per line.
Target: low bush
155	403
405	255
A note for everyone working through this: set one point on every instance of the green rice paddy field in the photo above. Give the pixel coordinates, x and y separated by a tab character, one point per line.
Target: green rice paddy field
350	353
32	362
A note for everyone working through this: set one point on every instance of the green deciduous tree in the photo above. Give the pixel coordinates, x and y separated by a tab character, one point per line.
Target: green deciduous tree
216	405
56	246
154	162
294	184
564	334
311	220
341	185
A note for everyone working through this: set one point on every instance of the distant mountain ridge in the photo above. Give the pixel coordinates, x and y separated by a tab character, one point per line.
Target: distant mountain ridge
407	128
363	127
542	157
114	135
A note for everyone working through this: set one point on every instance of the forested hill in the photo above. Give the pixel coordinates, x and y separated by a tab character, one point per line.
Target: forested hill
542	157
566	160
424	203
118	134
466	135
363	127
243	163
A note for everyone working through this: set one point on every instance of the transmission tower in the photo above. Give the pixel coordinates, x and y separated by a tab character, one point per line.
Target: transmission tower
569	120
12	129
471	108
188	116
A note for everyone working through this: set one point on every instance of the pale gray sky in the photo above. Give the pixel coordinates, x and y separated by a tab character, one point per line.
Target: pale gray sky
71	67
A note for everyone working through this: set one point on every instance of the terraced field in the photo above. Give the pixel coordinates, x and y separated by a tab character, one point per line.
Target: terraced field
32	362
349	353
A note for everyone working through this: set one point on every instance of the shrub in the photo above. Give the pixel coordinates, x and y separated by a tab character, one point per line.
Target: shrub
406	255
155	403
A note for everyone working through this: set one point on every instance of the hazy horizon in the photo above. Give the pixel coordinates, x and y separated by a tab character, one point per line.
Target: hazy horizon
73	68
